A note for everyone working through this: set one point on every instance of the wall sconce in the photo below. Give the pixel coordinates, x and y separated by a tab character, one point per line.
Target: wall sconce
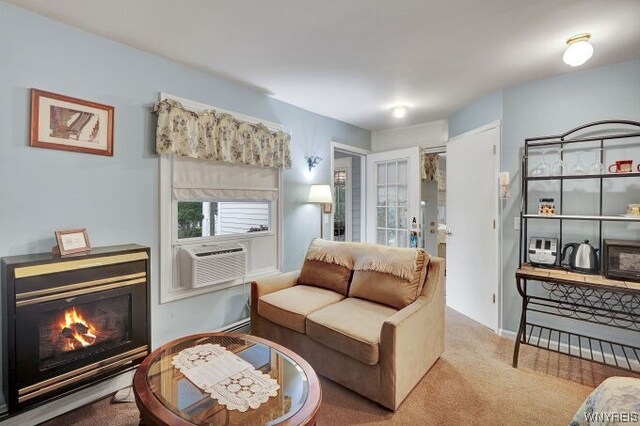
312	161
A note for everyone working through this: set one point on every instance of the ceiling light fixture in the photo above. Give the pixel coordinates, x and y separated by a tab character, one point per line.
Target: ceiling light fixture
579	50
399	111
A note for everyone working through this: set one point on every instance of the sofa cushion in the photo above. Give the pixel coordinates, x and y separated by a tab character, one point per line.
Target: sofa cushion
290	307
325	275
389	275
351	326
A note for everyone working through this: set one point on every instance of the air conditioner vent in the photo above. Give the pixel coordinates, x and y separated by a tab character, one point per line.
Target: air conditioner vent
206	265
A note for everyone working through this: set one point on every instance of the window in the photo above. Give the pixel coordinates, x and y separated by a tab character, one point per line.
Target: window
211	218
204	203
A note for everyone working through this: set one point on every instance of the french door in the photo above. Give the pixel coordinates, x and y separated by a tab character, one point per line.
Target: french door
393	196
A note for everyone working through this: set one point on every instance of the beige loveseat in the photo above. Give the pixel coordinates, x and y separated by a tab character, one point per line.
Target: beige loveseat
366	316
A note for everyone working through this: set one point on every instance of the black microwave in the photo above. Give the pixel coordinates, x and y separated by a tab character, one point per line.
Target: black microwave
621	260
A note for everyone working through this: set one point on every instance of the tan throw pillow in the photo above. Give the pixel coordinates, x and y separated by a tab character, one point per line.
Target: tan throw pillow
326	275
389	276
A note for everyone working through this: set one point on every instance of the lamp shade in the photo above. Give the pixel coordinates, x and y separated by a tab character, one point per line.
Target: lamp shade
320	194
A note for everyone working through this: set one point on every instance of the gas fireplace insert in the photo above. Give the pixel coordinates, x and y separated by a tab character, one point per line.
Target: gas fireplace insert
72	321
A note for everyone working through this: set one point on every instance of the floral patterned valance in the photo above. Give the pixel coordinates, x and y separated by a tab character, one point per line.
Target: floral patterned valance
211	135
430	168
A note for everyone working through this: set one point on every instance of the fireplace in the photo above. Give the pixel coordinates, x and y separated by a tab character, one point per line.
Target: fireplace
72	321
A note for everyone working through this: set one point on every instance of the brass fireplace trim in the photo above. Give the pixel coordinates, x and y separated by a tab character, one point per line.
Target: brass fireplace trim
52	268
70	377
68	294
35	293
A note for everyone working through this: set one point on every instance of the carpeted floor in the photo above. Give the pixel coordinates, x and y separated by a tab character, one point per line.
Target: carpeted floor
472	383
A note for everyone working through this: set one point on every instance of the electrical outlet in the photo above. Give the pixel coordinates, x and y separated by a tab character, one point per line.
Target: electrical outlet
516	223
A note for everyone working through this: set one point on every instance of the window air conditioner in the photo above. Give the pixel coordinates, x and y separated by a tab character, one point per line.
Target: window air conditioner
206	265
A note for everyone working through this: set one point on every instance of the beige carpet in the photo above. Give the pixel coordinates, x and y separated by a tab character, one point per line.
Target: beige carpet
472	383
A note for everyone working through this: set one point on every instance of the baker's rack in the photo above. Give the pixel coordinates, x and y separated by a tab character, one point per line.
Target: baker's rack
588	298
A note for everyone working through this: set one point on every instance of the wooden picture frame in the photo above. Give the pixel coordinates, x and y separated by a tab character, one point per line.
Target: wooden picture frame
70	124
71	241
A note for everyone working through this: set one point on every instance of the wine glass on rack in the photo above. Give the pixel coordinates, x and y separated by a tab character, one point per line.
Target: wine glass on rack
597	168
543	169
558	167
578	169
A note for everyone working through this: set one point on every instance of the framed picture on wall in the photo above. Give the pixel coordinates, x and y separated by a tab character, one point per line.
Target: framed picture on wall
72	241
70	124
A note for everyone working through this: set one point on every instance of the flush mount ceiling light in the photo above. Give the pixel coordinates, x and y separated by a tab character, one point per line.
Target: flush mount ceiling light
399	111
579	50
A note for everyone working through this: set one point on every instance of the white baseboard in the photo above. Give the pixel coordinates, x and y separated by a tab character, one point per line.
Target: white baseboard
71	402
511	335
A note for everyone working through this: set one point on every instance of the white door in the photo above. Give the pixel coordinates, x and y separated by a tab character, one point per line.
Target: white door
393	196
472	222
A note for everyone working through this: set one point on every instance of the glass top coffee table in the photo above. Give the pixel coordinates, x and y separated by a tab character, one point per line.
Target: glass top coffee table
166	397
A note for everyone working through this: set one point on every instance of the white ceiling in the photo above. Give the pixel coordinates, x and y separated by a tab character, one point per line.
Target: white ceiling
352	60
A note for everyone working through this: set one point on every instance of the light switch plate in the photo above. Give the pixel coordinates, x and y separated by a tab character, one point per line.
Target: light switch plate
516	223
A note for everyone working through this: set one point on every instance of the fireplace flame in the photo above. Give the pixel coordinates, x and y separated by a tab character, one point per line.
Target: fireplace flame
78	331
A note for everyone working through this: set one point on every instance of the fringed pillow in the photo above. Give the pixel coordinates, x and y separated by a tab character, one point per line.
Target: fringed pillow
328	265
389	275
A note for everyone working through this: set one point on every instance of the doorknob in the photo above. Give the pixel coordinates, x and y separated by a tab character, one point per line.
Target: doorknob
448	233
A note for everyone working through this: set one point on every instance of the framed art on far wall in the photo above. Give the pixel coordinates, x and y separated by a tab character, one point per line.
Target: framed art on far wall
70	124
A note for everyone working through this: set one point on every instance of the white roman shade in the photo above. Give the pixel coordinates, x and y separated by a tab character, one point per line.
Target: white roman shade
198	180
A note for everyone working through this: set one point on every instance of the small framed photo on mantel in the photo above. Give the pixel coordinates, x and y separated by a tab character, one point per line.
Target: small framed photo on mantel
70	124
72	241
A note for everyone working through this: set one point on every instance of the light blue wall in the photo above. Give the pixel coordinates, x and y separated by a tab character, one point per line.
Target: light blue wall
116	199
547	107
476	114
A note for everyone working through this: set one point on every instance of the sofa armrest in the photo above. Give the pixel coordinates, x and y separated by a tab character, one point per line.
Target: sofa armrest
272	284
265	286
412	339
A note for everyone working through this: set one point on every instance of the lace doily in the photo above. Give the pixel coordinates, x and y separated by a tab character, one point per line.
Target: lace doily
228	378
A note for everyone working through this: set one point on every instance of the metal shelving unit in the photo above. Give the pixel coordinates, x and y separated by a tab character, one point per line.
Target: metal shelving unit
587	298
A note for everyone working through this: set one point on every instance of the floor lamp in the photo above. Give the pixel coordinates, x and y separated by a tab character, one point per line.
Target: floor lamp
321	194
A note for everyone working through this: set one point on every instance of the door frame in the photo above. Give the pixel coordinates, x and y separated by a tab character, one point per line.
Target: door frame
498	235
345	163
438	149
362	153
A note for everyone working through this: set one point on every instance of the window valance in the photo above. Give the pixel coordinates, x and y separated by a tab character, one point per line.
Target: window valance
430	168
212	135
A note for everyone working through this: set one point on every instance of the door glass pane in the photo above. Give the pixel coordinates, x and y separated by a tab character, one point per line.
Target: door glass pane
403	219
391	238
391	195
402	195
403	172
391	172
392	199
382	219
391	217
382	195
382	173
403	239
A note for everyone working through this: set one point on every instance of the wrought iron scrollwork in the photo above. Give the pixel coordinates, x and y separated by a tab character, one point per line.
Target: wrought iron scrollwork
607	307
